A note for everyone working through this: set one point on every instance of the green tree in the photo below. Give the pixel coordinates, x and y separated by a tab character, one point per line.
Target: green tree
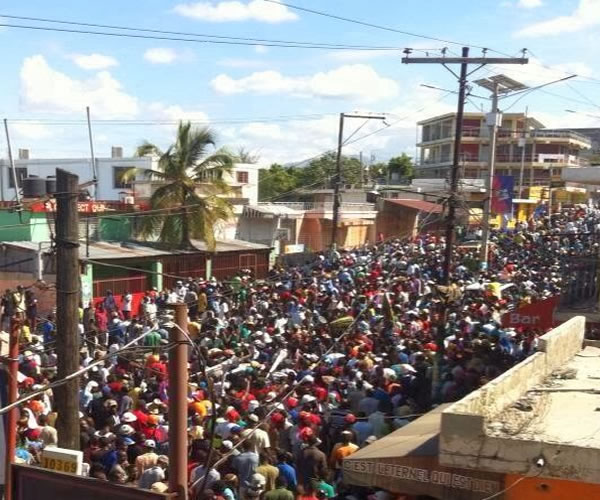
192	184
378	171
401	165
276	181
322	171
245	156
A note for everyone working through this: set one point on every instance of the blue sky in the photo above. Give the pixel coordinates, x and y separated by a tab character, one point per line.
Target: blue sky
53	76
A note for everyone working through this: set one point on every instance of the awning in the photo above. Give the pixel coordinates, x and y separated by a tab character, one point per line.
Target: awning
406	461
420	205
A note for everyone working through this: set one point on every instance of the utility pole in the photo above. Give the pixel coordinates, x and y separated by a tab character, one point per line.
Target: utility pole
92	156
13	415
337	180
338	171
178	383
464	61
363	181
523	144
494	119
12	167
67	307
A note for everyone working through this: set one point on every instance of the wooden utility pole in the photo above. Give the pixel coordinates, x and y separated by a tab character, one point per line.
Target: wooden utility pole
336	184
178	383
13	415
338	171
464	62
67	307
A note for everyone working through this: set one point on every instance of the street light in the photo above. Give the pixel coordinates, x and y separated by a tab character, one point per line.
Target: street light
499	85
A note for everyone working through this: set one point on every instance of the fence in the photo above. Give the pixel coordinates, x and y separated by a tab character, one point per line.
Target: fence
118	286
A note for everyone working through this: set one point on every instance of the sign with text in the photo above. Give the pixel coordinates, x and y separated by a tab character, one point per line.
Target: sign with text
539	315
62	460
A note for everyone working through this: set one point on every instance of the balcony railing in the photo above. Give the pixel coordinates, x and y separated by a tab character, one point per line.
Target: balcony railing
565	159
325	206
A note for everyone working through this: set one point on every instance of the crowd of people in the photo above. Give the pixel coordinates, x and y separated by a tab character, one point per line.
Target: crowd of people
290	375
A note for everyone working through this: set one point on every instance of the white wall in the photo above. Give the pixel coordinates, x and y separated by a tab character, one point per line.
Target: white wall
79	166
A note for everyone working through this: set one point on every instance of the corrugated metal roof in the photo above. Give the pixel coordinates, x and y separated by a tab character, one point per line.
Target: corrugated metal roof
423	206
104	250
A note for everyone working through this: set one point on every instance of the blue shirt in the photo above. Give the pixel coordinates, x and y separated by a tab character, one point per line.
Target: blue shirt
289	473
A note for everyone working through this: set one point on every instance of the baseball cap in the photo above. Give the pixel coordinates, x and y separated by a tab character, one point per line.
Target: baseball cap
128	441
150	443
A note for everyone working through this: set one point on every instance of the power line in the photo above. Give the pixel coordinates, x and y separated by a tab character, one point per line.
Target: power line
190	40
371	25
204	35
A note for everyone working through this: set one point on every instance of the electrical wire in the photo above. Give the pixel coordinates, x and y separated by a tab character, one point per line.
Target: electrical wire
182	33
189	40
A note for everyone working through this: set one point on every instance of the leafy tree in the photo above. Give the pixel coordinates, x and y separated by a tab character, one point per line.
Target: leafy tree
276	181
182	168
322	171
378	171
402	165
245	156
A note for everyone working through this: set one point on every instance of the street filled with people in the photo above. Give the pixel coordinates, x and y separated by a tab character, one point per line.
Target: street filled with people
291	374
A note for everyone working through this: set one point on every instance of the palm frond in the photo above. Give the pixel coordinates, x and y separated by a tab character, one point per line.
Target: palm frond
147	148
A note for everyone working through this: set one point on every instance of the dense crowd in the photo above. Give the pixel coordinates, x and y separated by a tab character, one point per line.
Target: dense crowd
290	375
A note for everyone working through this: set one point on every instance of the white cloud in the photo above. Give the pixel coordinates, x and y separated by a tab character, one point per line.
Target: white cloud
30	131
536	72
161	111
586	15
262	131
261	49
93	61
529	4
357	81
255	10
44	89
160	55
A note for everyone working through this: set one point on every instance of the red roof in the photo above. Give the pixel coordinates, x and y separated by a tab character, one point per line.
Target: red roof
423	206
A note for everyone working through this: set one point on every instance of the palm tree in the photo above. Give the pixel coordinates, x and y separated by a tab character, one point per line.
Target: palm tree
181	168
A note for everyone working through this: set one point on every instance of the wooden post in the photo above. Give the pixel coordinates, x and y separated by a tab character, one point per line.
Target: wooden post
67	307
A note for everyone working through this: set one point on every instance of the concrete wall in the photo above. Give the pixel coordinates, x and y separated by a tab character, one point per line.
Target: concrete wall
463	439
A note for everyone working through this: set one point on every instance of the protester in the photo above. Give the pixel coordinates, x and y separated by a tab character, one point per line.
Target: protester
304	367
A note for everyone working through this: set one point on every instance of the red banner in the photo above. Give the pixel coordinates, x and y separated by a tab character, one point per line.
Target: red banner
536	315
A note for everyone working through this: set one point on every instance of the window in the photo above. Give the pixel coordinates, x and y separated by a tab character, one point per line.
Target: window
118	173
242	177
21	174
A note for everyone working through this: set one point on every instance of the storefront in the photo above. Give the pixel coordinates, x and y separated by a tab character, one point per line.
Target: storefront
406	462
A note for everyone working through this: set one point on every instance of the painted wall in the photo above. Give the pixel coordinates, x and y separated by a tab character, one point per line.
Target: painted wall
26	227
79	166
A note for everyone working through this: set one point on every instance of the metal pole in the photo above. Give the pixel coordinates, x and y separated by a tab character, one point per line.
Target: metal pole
550	205
523	143
452	201
12	164
362	169
492	119
12	415
67	307
336	184
178	380
93	158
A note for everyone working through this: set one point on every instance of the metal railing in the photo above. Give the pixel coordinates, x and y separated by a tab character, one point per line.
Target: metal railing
325	205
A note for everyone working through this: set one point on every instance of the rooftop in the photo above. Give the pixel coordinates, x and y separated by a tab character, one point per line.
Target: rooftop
423	206
104	250
540	418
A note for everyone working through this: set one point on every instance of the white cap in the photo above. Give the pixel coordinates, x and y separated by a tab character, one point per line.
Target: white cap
150	443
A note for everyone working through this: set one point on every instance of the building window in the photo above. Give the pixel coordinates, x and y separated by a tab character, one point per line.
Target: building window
21	174
242	177
118	182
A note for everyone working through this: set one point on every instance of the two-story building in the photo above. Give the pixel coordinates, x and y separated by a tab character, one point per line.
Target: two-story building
546	151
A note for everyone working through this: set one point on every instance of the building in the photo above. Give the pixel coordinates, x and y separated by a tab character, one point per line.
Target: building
537	423
129	266
546	151
110	187
398	218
